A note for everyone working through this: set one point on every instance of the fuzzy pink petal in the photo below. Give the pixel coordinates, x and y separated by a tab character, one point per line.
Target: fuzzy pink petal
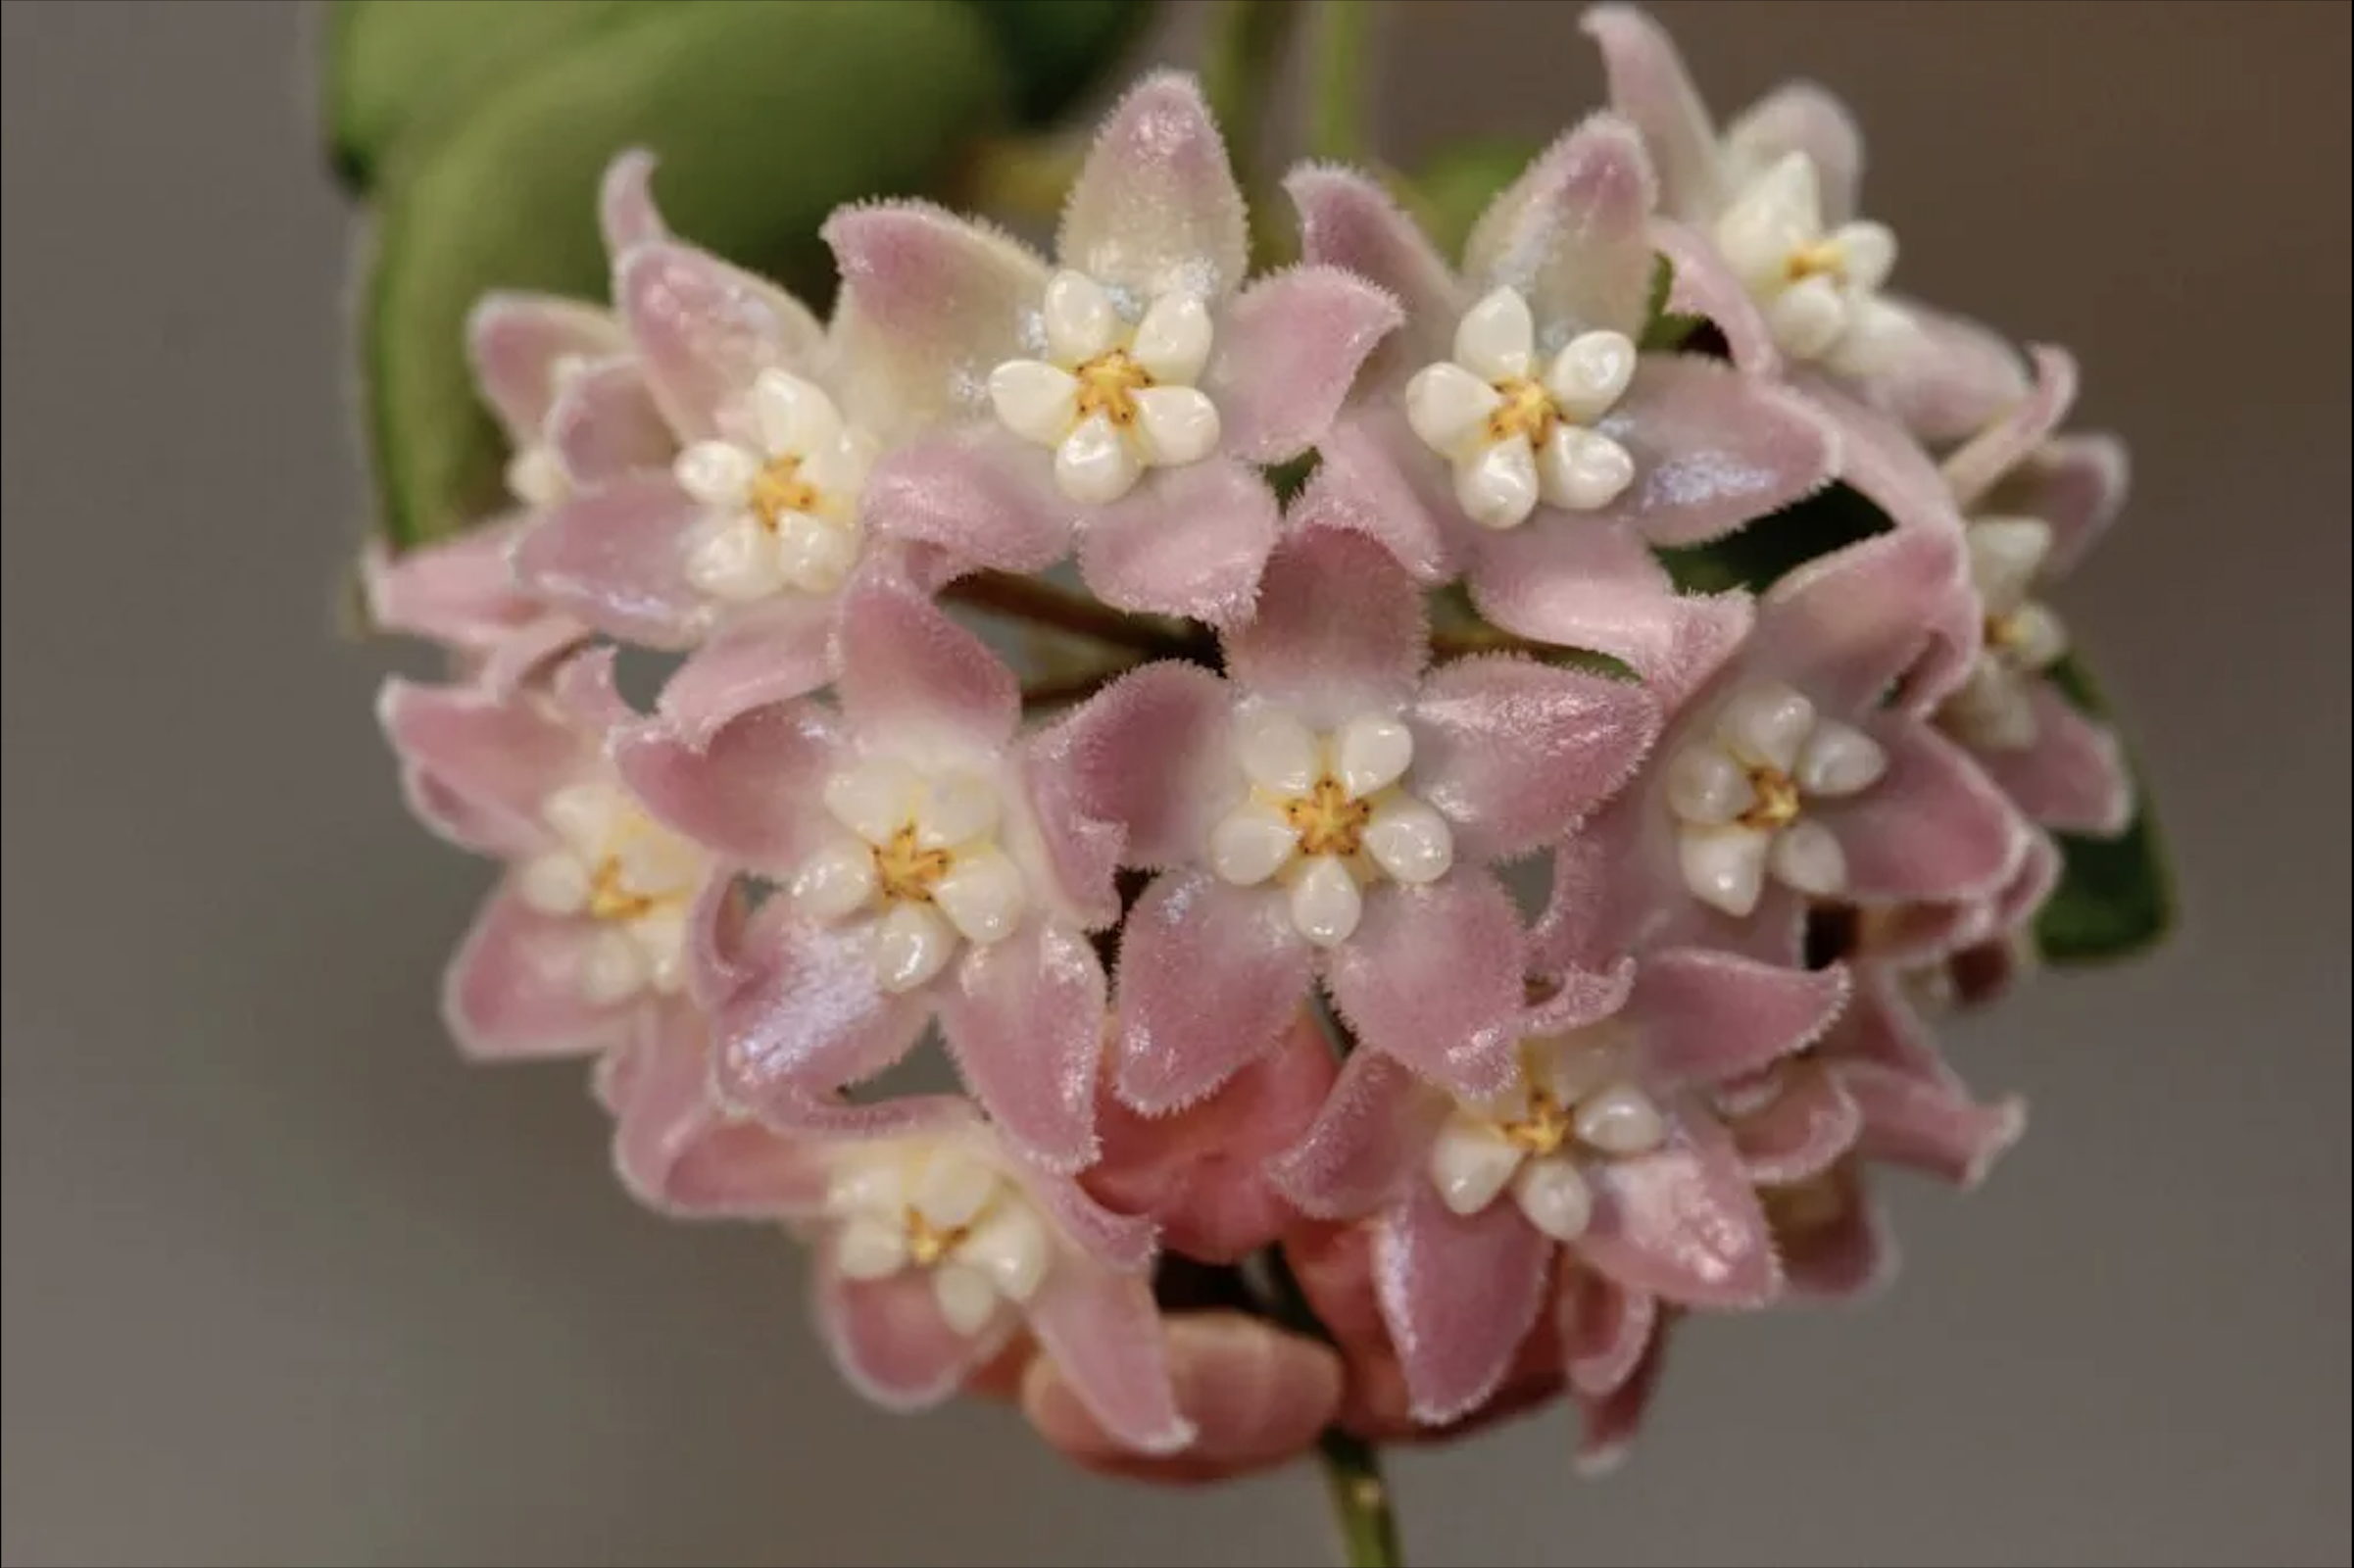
806	1019
1713	448
1650	85
612	555
1605	1328
458	591
1882	1025
1433	977
1103	1335
1843	627
981	495
1576	997
587	691
1611	1422
1801	118
1514	754
1155	208
519	345
1950	376
771	653
912	673
1374	476
1123	1244
1289	349
1843	1251
1931	1124
1458	1293
747	790
1150	753
1368	1142
1024	1021
1810	1122
1682	1223
1707	1017
457	818
2071	777
1976	467
891	1343
605	426
931	303
513	991
1209	978
625	207
1562	580
1188	541
1348	219
1933	827
2076	483
1572	233
1340	629
1701	284
679	1151
502	753
703	330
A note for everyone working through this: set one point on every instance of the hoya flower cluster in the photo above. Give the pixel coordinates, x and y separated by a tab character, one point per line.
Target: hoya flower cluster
1539	952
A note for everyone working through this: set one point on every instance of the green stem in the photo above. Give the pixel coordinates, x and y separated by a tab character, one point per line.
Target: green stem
1044	605
1246	43
1351	1466
1337	125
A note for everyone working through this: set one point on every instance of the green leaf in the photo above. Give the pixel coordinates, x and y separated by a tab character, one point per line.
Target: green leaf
766	114
1663	329
2116	896
1450	192
1058	48
1754	557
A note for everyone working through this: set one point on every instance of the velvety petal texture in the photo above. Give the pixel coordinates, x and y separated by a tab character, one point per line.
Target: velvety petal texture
1289	349
1155	208
1682	1223
1209	977
1458	1293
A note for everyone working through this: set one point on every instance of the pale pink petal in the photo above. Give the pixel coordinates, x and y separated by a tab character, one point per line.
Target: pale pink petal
1458	1293
978	493
1572	233
806	1019
1150	753
1024	1019
459	590
1203	1175
1881	459
614	557
1682	1223
1609	1423
705	330
1560	580
1576	997
1605	1328
522	344
1103	1335
1973	470
1155	208
502	753
1124	1243
931	303
1080	850
1650	85
1950	377
1348	219
1374	476
587	690
625	207
1882	1025
1515	754
512	991
770	652
1933	827
1188	541
1801	118
1572	933
1369	1141
2073	777
890	1342
679	1151
1843	627
1700	284
2077	484
1930	1124
1713	448
1839	1249
457	818
605	426
1810	1122
1707	1017
747	790
1340	629
909	672
1287	351
1209	977
1433	977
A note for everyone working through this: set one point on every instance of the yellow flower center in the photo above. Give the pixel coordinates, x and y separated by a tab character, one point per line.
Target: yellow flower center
1109	384
612	897
777	489
1543	1129
1822	259
1776	803
1527	409
927	1242
905	870
1327	820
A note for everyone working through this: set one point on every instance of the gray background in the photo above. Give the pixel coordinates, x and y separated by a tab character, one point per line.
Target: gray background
283	1281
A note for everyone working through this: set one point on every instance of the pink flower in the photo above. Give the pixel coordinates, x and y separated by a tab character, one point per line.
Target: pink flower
927	862
1511	433
1330	809
1119	399
1761	226
1791	774
588	929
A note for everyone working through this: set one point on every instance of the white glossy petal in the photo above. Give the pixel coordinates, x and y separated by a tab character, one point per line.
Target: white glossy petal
868	1246
1581	470
1326	903
1448	407
1554	1198
718	473
1372	751
1095	465
1497	337
1706	785
1839	759
1037	401
874	1183
912	943
1591	374
1080	320
1498	488
966	1298
1867	254
556	883
585	815
1410	840
1172	342
982	895
1470	1162
952	1188
874	797
1765	725
1723	866
661	934
738	560
839	469
1775	214
815	556
1620	1119
2005	555
1875	335
1251	844
1012	1249
1807	317
2038	636
1178	424
795	416
1807	858
836	882
1993	711
1277	752
1585	1061
954	807
655	860
612	968
535	476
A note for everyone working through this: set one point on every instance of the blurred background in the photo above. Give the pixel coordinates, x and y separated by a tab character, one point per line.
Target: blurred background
285	1282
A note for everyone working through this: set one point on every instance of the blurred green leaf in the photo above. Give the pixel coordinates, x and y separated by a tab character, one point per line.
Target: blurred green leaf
2116	896
1752	558
1058	48
1451	188
766	114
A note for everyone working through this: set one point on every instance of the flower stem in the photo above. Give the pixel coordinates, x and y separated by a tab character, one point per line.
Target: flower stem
1337	124
1042	604
1351	1466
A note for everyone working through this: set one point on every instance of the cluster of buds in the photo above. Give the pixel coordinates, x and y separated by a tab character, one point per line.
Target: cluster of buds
1532	952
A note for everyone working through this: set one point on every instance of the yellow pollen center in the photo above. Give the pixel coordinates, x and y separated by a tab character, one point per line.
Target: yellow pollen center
1776	803
2007	636
927	1242
1109	384
777	489
1543	1130
612	897
1822	259
907	871
1327	820
1527	409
